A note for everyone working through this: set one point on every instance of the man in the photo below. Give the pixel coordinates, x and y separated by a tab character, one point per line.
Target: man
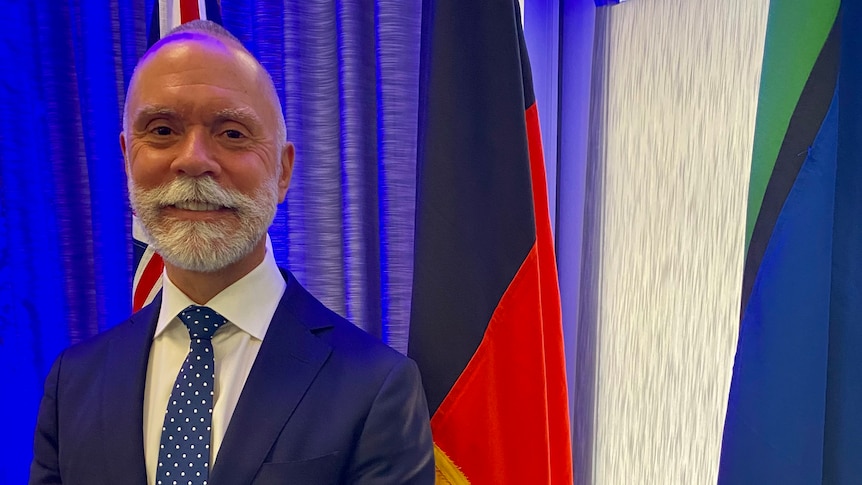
297	394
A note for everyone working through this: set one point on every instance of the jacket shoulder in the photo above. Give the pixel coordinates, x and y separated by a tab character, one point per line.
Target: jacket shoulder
346	339
135	330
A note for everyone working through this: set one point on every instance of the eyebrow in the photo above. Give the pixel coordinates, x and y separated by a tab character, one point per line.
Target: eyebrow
243	116
152	111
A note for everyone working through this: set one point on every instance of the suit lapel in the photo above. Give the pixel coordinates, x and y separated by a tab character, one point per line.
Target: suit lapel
123	397
288	361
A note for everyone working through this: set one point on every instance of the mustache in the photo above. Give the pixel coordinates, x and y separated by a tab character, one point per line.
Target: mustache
197	189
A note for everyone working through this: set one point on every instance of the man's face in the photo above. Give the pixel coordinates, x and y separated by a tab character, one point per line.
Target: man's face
205	165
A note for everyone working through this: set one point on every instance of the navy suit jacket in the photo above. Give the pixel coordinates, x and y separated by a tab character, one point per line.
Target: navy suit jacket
324	403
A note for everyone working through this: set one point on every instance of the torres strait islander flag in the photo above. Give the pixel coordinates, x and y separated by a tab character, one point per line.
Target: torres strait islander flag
167	14
794	413
486	326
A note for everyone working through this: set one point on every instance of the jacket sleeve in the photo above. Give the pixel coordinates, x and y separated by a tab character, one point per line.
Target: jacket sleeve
45	468
395	445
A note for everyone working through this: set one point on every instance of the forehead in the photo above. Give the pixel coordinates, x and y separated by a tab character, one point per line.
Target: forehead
197	69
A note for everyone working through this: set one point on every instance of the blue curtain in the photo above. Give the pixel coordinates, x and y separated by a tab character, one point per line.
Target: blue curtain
561	38
347	72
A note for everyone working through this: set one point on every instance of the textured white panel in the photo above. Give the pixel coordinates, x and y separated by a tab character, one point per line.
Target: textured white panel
682	77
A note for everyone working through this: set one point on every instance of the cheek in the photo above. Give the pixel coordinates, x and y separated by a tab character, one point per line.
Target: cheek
147	167
249	171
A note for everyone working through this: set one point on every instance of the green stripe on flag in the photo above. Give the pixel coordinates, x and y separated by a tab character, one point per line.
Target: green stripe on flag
795	35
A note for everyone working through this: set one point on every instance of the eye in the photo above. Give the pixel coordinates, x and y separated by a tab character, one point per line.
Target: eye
234	134
162	131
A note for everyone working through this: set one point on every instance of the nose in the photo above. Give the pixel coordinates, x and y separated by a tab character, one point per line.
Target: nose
196	156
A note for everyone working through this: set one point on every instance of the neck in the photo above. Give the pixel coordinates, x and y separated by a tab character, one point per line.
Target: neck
201	287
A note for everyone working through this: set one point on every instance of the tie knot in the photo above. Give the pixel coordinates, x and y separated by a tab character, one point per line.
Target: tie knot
201	321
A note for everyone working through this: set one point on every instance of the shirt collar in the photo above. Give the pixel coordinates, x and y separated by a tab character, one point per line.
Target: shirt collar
249	303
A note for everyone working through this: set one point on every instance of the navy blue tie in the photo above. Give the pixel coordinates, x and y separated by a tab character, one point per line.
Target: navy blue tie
184	452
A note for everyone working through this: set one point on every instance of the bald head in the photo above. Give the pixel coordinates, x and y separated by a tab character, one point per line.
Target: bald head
197	29
208	32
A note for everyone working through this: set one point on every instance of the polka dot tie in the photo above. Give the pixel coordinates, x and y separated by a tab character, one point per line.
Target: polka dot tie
184	452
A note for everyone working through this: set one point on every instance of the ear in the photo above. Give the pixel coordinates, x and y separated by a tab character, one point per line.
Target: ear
288	153
123	150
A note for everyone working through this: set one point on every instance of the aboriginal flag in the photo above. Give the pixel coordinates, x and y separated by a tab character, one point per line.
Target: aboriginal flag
486	327
793	413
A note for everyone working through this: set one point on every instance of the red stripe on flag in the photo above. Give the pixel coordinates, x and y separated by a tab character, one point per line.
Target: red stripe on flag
189	11
560	442
506	419
152	273
495	424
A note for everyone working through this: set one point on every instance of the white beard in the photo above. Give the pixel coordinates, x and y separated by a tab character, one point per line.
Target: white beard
206	245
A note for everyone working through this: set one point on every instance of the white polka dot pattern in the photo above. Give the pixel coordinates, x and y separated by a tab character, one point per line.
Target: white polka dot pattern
184	451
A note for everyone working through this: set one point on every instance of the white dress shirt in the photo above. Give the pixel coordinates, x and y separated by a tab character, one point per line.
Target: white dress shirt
248	305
